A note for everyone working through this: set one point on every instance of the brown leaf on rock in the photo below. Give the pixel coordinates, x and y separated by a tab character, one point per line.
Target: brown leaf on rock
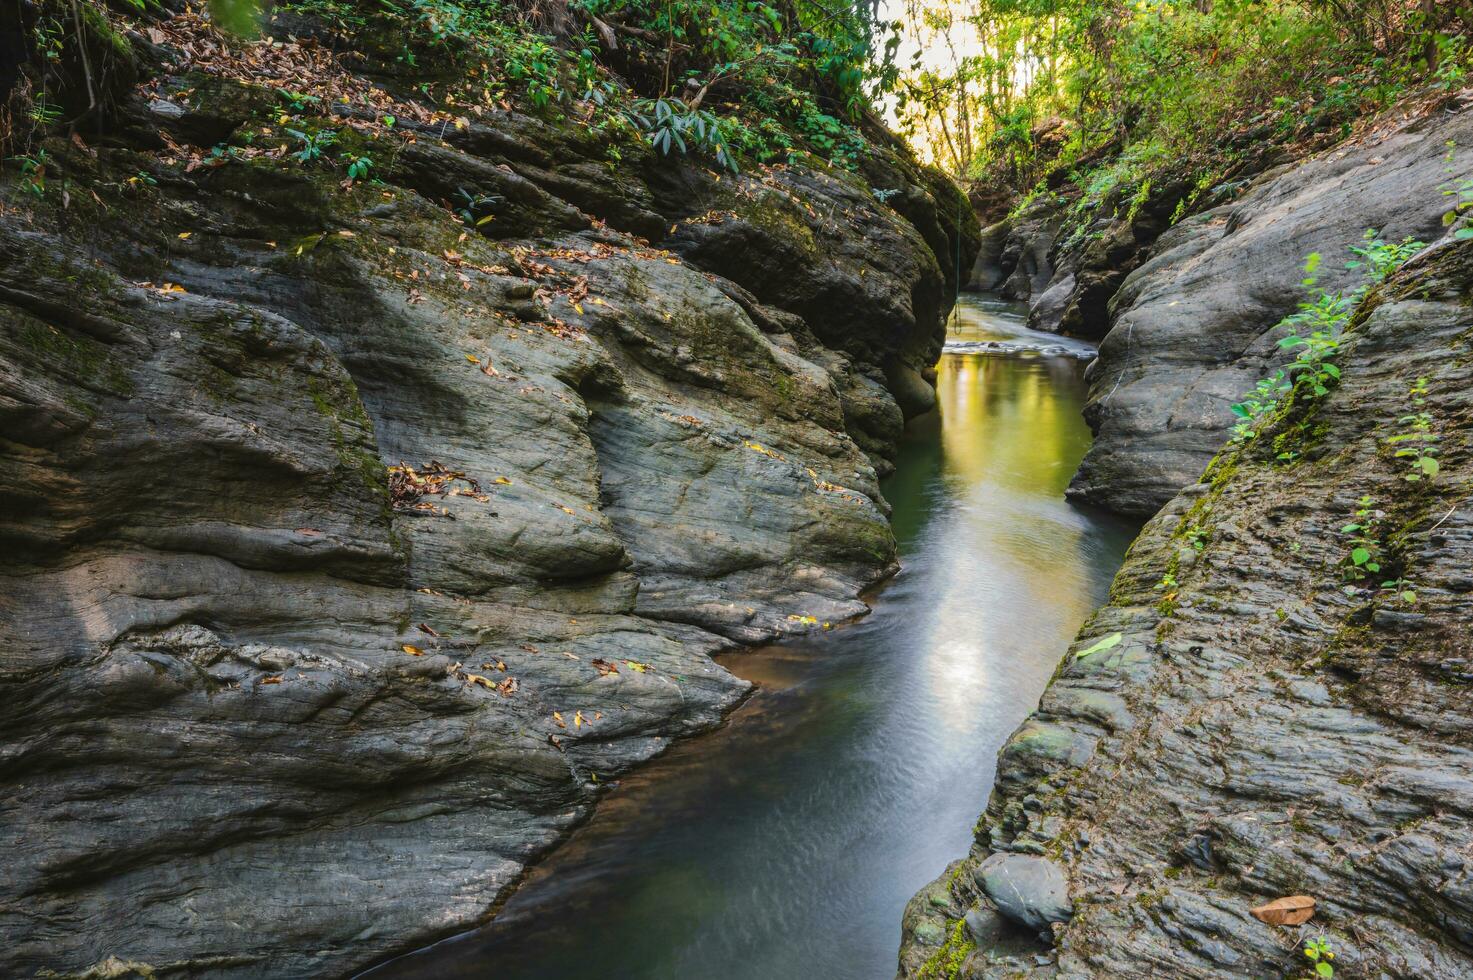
604	667
1292	910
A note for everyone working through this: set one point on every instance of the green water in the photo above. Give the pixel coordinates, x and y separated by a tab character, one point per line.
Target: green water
786	844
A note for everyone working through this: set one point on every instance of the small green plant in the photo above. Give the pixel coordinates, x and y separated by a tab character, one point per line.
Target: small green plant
475	209
358	166
1452	53
1400	588
140	181
1379	259
1318	951
33	172
1364	559
1315	331
1314	334
1417	443
297	101
42	112
1261	400
1461	191
312	145
1196	537
670	123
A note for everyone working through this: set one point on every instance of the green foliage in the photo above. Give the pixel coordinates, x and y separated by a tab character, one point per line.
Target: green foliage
238	17
1320	954
723	78
1378	259
33	172
1264	398
312	146
1322	318
1315	333
1035	86
358	166
1364	558
1461	191
670	124
1416	443
475	210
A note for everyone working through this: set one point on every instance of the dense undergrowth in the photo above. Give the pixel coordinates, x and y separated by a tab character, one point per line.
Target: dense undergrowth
736	83
1103	101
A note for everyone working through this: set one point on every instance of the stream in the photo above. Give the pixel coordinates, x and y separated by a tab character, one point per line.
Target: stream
785	845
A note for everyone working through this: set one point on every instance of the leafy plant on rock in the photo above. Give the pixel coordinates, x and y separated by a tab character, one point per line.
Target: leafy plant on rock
1417	443
312	146
671	124
1364	558
1315	333
475	209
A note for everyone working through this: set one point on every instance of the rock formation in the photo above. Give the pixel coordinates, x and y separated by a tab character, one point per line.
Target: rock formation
353	544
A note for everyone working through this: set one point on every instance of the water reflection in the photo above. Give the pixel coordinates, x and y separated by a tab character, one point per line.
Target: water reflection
786	845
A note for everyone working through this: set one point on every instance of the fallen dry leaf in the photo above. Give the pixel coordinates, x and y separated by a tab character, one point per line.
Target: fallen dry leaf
412	651
1292	910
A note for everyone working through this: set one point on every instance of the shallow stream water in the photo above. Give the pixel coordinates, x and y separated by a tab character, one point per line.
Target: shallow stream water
785	845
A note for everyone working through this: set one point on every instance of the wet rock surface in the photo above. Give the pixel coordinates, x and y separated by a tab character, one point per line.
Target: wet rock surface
1262	720
350	551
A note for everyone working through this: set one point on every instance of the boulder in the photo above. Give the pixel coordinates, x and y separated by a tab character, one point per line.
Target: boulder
1031	891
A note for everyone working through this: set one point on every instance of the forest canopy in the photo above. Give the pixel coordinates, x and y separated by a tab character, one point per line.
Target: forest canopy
1019	96
1029	85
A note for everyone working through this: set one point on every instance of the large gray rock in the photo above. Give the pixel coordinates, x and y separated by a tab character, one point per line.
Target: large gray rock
1192	328
1270	725
1031	891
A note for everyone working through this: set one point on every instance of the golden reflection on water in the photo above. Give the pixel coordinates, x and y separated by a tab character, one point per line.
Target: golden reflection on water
1003	421
1013	572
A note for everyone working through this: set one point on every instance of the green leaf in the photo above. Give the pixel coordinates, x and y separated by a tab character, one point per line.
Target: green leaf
1360	556
1099	646
1408	595
1324	969
1429	466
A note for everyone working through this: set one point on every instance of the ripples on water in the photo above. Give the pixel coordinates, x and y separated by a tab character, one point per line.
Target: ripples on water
786	844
